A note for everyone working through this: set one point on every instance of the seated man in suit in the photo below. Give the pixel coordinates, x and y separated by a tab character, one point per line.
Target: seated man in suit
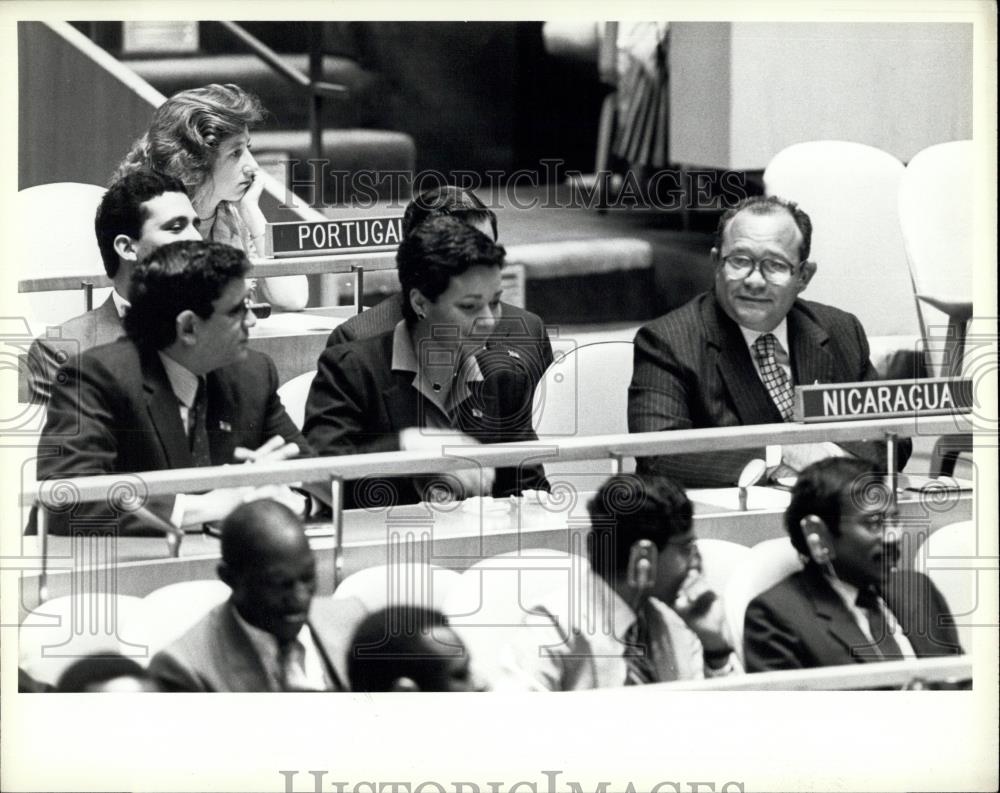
851	604
407	648
271	635
137	214
428	383
644	616
515	328
182	390
731	356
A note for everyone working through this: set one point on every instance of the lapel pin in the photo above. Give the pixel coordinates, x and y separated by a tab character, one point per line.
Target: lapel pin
225	426
477	413
513	354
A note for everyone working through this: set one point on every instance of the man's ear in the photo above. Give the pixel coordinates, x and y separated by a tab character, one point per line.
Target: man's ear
806	272
418	302
125	247
817	537
186	324
405	684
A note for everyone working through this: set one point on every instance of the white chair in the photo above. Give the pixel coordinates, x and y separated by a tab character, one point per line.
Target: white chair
492	598
767	563
936	213
720	561
584	392
73	250
850	192
955	558
168	612
60	631
405	583
294	394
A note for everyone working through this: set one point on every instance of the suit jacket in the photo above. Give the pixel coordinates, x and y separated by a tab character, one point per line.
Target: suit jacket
692	369
100	325
517	329
358	405
802	622
115	412
217	655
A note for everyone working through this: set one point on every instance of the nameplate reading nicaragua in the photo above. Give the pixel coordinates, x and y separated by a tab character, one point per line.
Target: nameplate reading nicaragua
885	399
353	235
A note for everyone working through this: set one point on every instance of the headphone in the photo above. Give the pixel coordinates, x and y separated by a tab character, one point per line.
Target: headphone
642	562
819	551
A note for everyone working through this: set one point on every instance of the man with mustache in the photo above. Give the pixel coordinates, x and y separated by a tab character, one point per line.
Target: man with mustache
732	356
181	390
851	603
642	615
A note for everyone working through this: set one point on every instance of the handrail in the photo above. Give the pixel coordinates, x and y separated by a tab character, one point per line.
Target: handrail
910	673
333	264
318	469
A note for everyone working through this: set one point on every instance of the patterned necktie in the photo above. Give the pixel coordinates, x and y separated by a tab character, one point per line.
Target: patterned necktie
291	666
198	433
775	379
638	652
888	650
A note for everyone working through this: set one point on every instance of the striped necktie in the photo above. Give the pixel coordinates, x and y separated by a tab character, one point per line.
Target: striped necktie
773	375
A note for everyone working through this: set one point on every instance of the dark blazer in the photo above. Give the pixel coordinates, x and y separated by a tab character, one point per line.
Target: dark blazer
115	412
517	329
358	405
802	622
100	325
692	369
217	655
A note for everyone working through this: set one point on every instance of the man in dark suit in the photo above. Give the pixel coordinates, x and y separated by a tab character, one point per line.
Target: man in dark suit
271	635
515	328
850	604
731	356
182	390
137	214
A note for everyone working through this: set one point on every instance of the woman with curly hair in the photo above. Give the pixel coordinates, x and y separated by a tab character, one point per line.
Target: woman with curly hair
202	137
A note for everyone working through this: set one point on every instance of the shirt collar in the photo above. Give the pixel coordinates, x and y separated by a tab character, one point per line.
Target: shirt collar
780	333
847	592
121	304
266	644
183	382
404	359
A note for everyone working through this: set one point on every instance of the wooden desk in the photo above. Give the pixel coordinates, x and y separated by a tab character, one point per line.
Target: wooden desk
454	536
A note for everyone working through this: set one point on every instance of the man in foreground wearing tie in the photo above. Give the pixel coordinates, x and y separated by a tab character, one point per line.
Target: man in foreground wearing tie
137	214
642	615
271	635
731	356
181	390
850	604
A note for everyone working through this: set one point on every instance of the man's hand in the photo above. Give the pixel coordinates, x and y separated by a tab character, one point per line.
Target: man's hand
704	614
471	481
274	451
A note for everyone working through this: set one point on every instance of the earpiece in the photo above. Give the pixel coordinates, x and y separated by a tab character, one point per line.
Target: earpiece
642	561
812	529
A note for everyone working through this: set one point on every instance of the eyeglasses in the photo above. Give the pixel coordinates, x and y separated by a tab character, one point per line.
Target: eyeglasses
239	311
774	271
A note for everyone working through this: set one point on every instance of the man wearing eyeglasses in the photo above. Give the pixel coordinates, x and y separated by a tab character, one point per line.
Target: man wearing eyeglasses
732	356
854	601
182	389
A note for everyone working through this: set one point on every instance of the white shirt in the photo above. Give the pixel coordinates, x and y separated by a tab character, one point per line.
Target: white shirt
121	304
184	384
780	333
267	649
849	594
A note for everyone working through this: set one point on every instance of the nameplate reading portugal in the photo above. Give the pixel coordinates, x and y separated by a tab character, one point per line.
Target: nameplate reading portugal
886	399
353	235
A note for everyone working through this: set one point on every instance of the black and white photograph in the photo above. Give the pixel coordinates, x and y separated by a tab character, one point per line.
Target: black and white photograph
477	365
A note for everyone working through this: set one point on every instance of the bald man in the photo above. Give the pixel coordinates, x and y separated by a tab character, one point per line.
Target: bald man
270	635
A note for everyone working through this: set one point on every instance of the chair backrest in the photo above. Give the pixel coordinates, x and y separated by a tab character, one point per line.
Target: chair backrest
72	250
767	563
936	214
953	558
169	612
294	394
584	392
850	192
60	631
491	599
720	560
405	583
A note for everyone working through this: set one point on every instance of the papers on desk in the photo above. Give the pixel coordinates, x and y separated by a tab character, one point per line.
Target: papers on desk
727	499
292	323
918	483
